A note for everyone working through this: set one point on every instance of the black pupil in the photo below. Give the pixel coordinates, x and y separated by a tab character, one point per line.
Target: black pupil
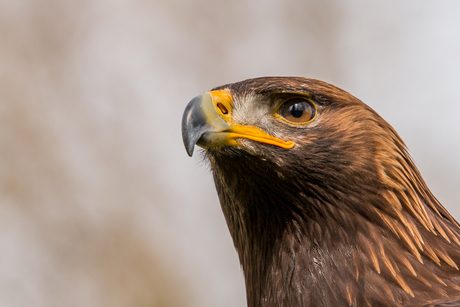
297	109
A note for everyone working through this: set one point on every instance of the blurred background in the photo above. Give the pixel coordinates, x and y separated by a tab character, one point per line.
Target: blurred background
100	204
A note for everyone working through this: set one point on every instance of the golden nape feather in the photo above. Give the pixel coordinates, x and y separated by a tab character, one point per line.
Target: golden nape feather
323	202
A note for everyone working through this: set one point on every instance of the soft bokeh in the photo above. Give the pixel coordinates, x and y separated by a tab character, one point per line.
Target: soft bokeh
100	204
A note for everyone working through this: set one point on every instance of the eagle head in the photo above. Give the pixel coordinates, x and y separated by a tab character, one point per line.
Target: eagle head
323	202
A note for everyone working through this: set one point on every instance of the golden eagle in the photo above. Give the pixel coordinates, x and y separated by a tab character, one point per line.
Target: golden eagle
323	202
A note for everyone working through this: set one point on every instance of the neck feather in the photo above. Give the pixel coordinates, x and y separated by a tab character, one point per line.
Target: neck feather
380	238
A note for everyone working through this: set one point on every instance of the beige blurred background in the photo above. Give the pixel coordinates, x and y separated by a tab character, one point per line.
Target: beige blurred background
100	204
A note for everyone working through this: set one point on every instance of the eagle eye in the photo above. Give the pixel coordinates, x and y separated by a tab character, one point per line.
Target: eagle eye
298	110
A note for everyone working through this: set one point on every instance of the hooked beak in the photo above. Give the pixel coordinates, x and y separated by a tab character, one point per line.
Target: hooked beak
207	123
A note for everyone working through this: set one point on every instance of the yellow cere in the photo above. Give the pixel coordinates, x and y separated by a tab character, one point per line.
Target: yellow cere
222	101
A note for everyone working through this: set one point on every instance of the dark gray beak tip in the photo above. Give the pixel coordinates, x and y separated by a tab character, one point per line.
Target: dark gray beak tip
193	124
190	148
190	151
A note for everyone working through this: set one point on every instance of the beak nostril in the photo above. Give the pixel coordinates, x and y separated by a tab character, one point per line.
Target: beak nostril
222	108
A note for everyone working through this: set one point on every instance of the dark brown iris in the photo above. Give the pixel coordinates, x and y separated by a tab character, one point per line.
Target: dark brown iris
298	110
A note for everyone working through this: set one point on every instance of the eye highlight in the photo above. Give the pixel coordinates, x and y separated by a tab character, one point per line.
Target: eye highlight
298	110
